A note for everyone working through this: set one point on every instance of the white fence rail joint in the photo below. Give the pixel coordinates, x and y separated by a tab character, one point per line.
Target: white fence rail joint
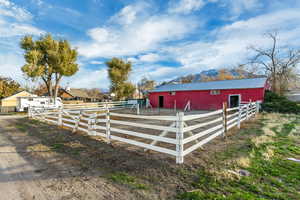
185	133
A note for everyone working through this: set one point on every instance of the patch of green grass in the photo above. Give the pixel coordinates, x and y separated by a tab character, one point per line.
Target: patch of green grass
22	127
273	178
57	146
35	122
125	179
241	149
76	151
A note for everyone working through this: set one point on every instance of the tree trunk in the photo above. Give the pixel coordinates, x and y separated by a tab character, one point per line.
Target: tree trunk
48	84
56	87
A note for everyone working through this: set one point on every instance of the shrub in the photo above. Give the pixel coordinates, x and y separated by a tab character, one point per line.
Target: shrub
276	103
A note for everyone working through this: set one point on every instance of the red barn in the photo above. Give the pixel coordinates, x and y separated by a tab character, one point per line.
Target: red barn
208	95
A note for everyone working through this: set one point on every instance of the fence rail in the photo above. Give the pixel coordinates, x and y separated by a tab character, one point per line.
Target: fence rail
174	135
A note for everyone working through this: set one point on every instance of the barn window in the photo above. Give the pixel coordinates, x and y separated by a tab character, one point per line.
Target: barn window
215	92
172	93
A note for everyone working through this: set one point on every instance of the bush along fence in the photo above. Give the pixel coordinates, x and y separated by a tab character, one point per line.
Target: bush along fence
177	135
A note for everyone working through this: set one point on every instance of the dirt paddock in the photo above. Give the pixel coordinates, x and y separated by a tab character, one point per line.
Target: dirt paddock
42	161
149	131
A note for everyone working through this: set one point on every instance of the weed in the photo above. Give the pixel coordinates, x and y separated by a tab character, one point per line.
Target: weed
123	178
21	127
57	146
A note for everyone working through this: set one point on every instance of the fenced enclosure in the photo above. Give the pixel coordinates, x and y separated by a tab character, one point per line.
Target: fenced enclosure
99	105
176	135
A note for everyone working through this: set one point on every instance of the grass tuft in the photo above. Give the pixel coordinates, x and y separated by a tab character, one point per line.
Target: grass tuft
125	179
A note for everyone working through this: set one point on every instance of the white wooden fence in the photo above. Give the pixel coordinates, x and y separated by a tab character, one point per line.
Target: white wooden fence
174	135
90	106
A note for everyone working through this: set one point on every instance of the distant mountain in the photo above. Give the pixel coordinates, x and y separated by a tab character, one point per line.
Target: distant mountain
214	74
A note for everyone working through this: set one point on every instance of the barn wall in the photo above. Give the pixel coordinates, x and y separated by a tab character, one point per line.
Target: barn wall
203	100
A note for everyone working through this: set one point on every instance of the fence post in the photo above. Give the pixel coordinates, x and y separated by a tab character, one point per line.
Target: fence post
179	138
60	122
90	125
224	118
257	108
107	125
250	107
240	116
93	125
77	122
29	112
137	108
247	111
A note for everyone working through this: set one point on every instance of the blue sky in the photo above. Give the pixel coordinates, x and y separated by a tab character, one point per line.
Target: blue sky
163	39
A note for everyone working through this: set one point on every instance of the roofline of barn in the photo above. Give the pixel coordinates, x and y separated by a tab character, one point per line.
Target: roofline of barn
173	88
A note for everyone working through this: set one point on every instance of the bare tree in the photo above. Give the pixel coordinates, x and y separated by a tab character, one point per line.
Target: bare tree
278	63
144	85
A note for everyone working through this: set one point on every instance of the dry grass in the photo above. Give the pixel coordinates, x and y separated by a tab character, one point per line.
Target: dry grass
243	162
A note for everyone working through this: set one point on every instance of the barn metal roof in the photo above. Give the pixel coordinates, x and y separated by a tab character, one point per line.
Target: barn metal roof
214	85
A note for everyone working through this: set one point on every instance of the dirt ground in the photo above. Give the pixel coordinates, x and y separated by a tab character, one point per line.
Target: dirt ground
31	170
42	161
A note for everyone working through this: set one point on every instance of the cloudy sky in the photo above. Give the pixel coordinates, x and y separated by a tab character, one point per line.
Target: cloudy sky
163	39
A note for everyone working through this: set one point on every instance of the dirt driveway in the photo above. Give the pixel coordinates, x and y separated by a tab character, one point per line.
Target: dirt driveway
31	170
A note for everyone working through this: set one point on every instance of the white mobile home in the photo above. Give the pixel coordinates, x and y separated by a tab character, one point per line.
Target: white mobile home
39	102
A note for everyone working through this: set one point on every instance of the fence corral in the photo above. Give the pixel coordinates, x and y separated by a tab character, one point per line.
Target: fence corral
173	135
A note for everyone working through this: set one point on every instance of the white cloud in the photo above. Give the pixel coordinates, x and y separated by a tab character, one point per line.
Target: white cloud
17	29
130	13
15	22
229	47
235	8
239	6
96	62
9	9
38	2
151	57
156	72
186	6
145	42
132	60
10	66
137	38
88	78
99	34
141	35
